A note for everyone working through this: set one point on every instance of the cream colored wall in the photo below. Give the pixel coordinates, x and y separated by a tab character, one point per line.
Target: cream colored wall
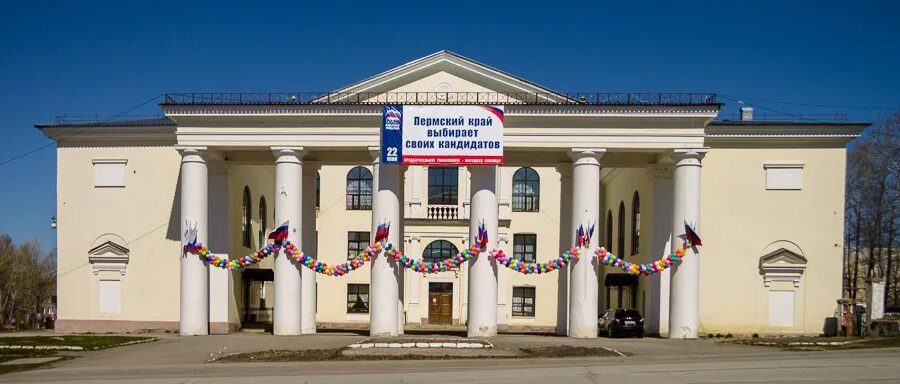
740	218
334	221
545	224
142	213
619	187
260	179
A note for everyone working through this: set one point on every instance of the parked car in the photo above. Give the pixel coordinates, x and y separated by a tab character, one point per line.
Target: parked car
621	322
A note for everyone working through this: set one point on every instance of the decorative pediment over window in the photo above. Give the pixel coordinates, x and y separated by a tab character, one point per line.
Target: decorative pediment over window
109	255
782	265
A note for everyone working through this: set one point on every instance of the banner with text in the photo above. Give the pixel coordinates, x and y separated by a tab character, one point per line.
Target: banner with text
442	135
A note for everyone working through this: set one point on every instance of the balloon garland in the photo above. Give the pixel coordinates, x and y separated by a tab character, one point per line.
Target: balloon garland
647	269
372	250
198	248
447	264
333	270
535	268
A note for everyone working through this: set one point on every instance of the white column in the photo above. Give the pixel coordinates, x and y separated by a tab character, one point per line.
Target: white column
222	305
684	302
194	315
660	231
482	306
565	242
384	292
310	246
583	275
288	200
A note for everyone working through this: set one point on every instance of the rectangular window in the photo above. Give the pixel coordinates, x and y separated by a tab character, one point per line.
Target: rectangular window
110	296
523	302
782	176
356	243
109	173
357	298
525	247
443	185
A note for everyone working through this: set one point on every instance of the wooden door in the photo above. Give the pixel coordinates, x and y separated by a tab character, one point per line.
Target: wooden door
440	303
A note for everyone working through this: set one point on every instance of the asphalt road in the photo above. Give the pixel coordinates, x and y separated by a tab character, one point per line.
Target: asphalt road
876	365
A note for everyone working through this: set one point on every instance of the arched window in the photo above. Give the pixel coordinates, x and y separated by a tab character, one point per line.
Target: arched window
439	250
635	224
246	216
609	230
263	220
318	189
359	189
526	190
620	243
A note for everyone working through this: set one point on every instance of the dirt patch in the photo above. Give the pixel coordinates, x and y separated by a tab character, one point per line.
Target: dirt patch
344	354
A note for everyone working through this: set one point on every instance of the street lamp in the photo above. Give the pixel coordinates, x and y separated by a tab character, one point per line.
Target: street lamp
53	222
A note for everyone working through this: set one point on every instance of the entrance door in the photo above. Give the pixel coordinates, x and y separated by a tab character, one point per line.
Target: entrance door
440	303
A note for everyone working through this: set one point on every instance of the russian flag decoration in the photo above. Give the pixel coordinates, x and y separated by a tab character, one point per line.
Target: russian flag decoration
279	234
690	236
382	232
481	238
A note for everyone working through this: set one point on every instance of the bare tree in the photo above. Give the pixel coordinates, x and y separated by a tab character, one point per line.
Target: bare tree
27	284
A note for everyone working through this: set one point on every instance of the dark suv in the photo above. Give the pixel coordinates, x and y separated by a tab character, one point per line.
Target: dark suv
620	322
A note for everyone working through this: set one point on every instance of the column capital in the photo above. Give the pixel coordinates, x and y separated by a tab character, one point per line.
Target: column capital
375	152
288	154
688	156
660	170
311	167
587	155
218	163
192	154
565	170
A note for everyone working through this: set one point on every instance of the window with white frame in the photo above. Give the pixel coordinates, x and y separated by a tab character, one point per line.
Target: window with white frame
784	176
109	172
523	302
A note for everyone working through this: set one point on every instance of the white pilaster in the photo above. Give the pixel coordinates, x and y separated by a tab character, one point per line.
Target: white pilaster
684	302
482	306
384	293
310	246
194	312
222	305
565	242
660	231
414	312
288	200
503	294
583	277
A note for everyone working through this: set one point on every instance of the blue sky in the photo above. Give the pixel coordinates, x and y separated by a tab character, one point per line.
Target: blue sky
106	57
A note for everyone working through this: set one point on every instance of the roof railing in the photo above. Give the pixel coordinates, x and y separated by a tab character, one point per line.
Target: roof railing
452	98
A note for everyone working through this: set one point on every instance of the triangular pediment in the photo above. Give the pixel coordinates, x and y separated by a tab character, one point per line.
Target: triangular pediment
444	71
782	256
107	248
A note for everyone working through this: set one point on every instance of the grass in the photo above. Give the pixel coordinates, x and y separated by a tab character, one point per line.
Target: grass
88	342
337	355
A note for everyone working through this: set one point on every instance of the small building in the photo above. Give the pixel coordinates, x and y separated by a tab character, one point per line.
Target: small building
766	197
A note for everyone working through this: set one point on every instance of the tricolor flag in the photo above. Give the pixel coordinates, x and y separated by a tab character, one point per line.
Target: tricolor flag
690	236
579	236
382	232
481	238
279	234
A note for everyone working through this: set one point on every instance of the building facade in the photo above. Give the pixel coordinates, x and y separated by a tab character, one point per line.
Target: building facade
766	197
